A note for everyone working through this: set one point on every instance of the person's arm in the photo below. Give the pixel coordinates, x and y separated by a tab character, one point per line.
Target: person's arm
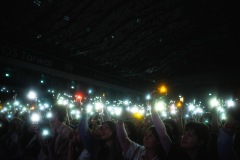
226	137
161	130
85	135
225	143
215	122
123	139
67	122
105	114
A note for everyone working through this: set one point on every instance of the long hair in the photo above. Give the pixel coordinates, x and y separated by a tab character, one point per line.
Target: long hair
160	150
132	129
115	147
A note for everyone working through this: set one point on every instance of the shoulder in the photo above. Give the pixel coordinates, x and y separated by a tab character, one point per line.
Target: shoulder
66	130
135	151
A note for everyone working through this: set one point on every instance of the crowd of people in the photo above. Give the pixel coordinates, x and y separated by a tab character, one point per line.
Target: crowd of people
101	137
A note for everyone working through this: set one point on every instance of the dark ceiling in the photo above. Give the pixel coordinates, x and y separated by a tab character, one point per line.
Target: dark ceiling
189	45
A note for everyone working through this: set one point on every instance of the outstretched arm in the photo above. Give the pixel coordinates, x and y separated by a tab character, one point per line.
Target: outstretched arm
85	135
123	139
161	130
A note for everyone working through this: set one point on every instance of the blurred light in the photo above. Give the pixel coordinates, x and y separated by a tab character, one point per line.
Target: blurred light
16	103
160	106
134	109
148	97
214	102
89	108
230	103
138	115
89	91
32	95
164	114
162	89
66	18
45	132
7	75
181	99
191	107
223	116
9	116
73	111
98	106
46	105
126	102
71	105
118	111
37	2
35	117
179	104
78	97
77	116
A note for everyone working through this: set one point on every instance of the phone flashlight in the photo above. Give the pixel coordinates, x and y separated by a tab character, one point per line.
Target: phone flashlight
45	132
35	117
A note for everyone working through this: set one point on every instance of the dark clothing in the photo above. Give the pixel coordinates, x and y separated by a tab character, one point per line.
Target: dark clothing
97	148
177	153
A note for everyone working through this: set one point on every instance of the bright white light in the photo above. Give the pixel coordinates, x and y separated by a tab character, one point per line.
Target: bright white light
65	102
223	116
191	107
173	112
98	106
118	111
71	105
77	116
148	97
46	105
134	109
214	102
16	103
126	102
198	111
160	106
89	91
9	116
220	109
60	101
230	103
164	114
41	108
32	95
49	115
35	117
89	108
173	109
45	132
73	112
